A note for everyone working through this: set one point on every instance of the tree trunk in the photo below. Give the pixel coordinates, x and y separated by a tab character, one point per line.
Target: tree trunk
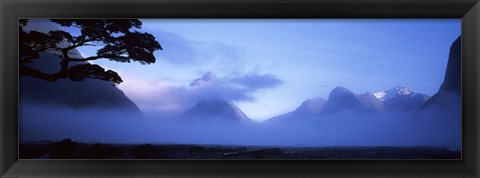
63	73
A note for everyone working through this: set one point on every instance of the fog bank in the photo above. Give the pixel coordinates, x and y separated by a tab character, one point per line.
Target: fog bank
433	126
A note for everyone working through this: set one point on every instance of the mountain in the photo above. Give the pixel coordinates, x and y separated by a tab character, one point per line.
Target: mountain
217	110
451	86
214	109
401	98
309	108
342	99
452	79
89	93
394	92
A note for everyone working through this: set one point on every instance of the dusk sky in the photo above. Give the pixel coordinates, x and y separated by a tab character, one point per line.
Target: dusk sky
269	67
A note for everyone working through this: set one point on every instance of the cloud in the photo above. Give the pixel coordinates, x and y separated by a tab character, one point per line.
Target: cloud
255	81
236	88
232	88
206	79
181	51
162	95
431	126
176	49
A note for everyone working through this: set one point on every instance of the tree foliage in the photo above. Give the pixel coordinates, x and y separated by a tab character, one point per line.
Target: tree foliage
116	39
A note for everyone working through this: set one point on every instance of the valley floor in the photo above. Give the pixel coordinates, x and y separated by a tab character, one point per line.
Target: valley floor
67	149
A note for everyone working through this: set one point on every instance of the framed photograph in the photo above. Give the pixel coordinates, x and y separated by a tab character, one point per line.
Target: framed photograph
239	88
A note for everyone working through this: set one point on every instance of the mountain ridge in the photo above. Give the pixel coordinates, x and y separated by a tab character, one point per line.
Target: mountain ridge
342	99
217	109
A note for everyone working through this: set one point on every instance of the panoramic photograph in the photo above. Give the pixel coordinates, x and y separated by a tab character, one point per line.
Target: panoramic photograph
262	89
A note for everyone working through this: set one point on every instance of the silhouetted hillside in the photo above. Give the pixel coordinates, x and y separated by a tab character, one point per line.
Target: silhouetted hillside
89	93
342	99
452	81
219	110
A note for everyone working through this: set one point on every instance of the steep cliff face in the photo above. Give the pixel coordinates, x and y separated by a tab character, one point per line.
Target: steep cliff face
452	81
89	93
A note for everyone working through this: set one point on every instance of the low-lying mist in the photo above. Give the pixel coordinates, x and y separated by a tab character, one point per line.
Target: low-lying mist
431	126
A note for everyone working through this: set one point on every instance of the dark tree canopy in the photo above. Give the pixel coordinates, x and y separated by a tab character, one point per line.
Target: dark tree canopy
117	40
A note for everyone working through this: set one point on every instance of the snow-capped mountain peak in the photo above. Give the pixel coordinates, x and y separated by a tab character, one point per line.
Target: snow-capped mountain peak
396	91
380	95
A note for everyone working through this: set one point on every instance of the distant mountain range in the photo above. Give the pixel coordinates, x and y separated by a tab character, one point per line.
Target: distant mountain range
400	98
343	100
340	100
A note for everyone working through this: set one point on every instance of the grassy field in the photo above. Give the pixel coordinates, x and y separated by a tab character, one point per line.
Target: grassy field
67	149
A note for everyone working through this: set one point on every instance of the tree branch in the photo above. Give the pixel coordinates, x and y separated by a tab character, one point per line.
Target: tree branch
28	71
77	44
84	59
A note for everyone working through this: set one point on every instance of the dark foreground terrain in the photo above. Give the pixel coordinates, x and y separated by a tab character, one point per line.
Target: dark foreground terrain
67	149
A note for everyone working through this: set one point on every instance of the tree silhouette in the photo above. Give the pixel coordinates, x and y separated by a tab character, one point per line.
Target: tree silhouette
117	40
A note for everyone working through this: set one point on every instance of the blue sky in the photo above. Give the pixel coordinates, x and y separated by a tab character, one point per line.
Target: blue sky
269	67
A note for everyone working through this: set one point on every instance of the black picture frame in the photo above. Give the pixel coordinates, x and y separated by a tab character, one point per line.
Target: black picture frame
467	10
